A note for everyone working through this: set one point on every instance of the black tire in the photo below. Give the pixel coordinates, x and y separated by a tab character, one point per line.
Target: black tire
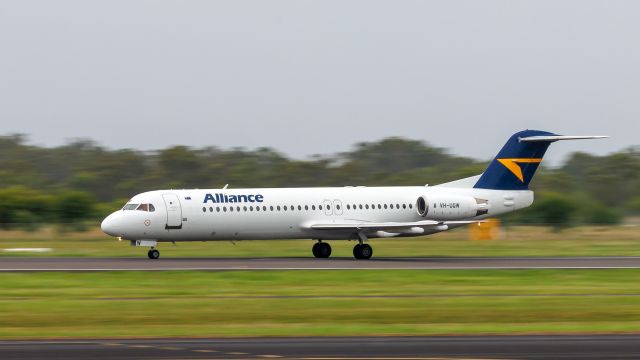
153	254
366	251
315	250
324	250
357	251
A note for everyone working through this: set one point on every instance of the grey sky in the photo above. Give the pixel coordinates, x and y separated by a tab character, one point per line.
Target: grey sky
310	77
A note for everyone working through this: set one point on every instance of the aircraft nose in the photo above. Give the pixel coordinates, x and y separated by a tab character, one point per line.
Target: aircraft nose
108	225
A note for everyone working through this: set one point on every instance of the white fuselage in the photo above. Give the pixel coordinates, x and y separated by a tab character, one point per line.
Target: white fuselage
290	213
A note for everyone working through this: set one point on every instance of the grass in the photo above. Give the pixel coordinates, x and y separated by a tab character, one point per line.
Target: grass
317	303
322	303
514	241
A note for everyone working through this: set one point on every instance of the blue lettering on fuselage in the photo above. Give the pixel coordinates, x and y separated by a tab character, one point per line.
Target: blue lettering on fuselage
223	198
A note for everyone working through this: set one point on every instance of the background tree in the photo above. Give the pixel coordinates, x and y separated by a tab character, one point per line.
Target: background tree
82	180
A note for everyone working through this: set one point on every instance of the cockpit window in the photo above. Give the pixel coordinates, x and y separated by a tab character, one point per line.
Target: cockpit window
130	207
140	207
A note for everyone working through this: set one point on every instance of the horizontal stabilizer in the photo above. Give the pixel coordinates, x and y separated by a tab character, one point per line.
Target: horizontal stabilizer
559	137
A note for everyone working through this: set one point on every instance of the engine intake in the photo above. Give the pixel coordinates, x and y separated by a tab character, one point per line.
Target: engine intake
423	206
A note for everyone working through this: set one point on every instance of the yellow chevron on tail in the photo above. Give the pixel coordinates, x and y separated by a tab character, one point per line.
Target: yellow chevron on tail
512	165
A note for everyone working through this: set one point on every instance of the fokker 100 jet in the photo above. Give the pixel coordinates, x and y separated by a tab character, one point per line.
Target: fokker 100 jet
335	213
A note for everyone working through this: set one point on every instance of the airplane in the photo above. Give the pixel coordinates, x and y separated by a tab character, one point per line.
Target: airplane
335	213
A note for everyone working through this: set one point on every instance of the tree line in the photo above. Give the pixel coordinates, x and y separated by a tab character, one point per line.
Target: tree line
83	181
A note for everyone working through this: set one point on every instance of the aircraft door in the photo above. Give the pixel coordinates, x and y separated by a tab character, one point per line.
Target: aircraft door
337	207
174	211
327	207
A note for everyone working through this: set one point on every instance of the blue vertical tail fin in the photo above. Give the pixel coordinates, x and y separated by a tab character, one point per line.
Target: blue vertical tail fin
514	166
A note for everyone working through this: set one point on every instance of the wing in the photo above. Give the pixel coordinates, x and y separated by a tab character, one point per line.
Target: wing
390	226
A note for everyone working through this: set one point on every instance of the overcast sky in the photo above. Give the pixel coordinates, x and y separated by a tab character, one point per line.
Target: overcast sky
315	77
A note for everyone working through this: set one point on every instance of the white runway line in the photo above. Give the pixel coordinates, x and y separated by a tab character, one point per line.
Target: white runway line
37	250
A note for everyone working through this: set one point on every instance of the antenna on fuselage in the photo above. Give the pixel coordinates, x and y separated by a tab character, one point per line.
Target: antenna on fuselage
225	186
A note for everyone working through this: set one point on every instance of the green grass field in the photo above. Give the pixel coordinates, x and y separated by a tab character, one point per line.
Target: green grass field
514	241
322	303
319	303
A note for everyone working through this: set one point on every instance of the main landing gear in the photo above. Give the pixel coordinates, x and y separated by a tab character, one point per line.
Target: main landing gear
321	250
362	250
153	254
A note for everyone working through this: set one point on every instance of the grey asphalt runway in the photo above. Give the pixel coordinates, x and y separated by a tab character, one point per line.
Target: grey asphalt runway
433	263
333	348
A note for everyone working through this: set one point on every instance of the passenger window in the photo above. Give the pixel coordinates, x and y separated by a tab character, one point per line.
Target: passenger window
230	208
404	206
211	208
348	207
410	206
299	208
338	207
360	206
238	208
224	209
379	206
264	208
320	207
313	207
397	206
245	208
204	209
285	208
250	208
271	207
218	208
366	206
385	206
278	207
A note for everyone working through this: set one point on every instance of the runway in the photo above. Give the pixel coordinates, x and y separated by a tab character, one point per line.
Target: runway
221	264
333	348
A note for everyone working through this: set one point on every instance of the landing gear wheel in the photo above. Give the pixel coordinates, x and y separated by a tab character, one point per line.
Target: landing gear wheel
321	250
366	251
153	254
362	251
356	251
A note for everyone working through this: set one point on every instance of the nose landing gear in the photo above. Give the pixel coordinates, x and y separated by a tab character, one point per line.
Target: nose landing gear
153	254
